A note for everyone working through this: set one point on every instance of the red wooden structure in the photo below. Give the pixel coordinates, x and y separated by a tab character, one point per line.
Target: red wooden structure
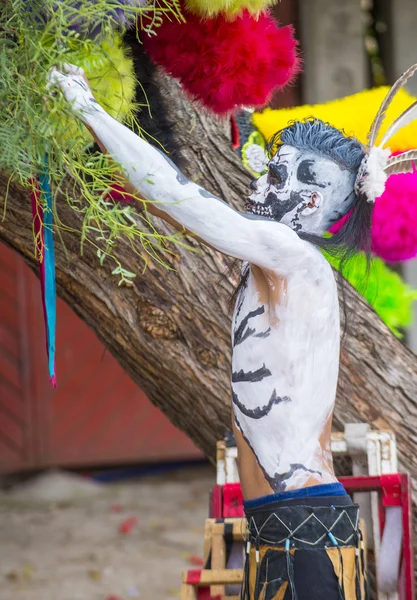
96	416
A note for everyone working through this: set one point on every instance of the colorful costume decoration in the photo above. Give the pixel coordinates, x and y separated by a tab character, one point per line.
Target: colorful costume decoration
254	155
229	8
378	162
42	222
353	115
388	294
239	62
48	272
114	83
394	236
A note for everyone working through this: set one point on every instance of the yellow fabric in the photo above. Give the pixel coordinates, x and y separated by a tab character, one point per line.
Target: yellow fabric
349	570
354	114
252	571
281	592
210	8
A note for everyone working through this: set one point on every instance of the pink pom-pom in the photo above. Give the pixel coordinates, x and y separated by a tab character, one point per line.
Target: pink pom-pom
394	231
224	63
119	194
335	228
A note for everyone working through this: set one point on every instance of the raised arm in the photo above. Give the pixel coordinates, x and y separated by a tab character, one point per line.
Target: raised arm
260	241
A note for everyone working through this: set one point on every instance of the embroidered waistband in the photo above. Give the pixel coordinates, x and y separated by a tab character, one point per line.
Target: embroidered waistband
302	526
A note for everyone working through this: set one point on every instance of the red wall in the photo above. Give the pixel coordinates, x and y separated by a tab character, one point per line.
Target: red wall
96	416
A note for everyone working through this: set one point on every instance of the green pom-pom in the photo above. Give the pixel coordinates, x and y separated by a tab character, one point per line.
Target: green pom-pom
110	72
384	289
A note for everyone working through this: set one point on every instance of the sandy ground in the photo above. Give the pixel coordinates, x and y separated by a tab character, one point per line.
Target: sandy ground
60	536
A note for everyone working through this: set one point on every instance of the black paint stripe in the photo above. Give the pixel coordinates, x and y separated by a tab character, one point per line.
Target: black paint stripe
239	426
260	411
278	481
81	83
349	196
251	376
306	174
263	334
240	334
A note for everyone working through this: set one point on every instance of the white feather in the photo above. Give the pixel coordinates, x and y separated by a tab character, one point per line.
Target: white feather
373	180
407	117
402	163
376	125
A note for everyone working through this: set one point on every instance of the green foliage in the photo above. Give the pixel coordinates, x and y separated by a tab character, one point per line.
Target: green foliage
35	122
384	289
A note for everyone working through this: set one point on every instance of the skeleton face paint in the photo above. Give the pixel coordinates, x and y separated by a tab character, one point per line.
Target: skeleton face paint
303	190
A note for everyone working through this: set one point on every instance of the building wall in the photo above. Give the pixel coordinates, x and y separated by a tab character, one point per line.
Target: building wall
96	416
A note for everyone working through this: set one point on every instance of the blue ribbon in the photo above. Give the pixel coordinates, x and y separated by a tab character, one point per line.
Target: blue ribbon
49	259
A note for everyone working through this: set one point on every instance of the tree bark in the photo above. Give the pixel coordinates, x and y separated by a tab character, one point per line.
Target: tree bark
170	331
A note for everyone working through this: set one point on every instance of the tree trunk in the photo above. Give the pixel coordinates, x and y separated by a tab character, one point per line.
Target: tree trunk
171	330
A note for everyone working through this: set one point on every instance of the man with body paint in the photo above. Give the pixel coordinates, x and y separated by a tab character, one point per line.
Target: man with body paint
304	540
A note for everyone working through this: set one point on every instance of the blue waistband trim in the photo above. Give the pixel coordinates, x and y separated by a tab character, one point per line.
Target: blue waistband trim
327	489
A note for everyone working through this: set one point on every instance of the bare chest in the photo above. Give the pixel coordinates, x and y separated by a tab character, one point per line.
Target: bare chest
302	302
284	322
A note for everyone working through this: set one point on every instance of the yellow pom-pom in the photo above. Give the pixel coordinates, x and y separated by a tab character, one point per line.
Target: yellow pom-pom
112	79
231	8
110	72
354	114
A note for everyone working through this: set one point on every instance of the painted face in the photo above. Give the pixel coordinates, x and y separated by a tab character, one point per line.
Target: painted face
303	190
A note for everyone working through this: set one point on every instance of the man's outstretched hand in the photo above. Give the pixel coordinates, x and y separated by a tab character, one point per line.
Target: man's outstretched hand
74	85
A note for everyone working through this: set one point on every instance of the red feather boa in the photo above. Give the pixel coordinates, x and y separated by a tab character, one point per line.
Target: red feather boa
225	64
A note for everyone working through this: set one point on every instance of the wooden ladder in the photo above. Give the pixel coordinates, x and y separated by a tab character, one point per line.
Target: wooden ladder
210	583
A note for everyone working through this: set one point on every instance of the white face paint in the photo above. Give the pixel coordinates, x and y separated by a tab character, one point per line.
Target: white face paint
303	190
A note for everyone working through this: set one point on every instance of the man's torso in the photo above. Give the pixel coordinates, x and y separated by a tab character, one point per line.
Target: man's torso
284	374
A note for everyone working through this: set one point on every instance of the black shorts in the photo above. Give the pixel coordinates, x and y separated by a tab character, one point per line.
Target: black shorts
305	549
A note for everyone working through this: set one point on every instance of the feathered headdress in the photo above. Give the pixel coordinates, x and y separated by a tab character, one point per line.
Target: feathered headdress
377	164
